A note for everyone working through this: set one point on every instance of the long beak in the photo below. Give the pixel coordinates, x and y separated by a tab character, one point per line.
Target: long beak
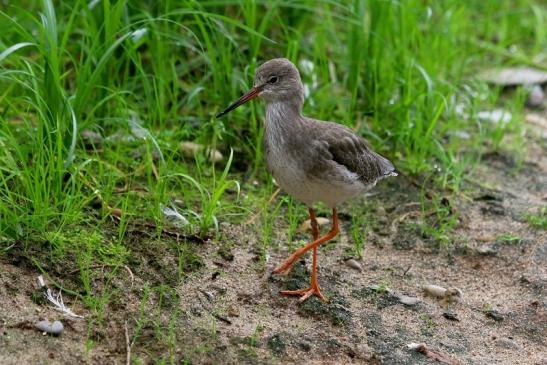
251	94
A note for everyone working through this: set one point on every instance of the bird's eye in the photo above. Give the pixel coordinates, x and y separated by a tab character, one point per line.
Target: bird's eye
273	79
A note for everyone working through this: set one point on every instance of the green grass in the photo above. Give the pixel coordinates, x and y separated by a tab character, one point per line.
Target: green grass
157	74
538	219
439	218
360	223
509	239
147	75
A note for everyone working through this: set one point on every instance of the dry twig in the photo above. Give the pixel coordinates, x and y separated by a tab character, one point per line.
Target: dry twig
127	345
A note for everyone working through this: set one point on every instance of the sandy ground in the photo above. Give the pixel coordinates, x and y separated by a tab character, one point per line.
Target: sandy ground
228	309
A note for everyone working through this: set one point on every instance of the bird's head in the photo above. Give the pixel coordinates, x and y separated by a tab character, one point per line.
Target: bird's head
276	80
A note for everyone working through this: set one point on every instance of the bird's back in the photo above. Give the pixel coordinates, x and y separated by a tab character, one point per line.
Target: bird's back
320	161
339	146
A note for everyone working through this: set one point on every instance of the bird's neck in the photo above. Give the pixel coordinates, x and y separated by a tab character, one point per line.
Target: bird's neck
283	115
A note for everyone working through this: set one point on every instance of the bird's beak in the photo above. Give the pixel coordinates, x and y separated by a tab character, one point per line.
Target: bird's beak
251	94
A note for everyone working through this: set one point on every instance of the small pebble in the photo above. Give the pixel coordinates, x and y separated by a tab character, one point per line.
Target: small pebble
450	294
536	119
514	76
354	264
189	149
435	291
46	326
536	97
409	301
306	225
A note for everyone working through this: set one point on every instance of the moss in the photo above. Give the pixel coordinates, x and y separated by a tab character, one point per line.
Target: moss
335	309
225	251
277	345
378	294
298	278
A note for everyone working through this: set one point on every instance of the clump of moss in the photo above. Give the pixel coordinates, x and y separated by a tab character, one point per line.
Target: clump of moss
298	278
277	345
335	309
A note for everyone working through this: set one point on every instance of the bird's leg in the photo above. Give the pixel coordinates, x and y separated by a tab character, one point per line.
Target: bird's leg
314	225
286	266
315	234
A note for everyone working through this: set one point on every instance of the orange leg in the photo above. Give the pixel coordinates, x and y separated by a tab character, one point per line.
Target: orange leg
286	266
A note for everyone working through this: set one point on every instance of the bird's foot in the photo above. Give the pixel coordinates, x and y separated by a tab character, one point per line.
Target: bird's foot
306	293
286	266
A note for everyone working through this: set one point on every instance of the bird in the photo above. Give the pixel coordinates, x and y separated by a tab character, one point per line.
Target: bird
311	160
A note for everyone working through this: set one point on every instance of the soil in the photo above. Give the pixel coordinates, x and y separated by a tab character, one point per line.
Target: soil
227	308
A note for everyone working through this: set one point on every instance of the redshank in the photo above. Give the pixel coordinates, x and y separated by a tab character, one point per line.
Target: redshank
312	160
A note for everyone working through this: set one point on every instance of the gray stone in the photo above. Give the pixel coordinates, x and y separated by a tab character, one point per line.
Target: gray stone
536	97
354	264
46	326
514	76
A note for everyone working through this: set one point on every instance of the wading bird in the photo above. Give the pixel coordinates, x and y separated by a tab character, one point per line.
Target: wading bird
312	160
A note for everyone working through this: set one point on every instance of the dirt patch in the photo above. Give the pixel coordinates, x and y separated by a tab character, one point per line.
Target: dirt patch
216	301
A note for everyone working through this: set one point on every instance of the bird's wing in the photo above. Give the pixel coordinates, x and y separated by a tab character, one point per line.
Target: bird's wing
339	144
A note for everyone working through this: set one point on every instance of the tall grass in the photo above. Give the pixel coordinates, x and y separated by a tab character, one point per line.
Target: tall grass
395	70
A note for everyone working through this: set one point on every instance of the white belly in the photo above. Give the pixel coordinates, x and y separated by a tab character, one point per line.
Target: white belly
292	178
288	164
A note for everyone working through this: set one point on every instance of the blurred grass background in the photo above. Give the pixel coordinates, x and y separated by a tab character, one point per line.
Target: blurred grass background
140	77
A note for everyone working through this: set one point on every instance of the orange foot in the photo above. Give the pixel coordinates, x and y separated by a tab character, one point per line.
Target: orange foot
286	266
306	293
